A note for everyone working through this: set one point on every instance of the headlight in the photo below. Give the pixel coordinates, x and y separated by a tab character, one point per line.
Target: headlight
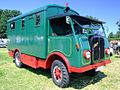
107	51
87	55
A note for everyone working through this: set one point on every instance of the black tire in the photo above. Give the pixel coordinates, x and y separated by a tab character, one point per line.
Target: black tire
111	54
59	74
91	73
18	63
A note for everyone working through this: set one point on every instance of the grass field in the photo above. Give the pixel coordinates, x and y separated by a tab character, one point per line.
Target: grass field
13	78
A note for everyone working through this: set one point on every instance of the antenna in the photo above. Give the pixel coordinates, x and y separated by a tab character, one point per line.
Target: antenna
66	4
67	8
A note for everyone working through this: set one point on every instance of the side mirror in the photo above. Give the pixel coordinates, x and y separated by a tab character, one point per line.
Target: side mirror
67	19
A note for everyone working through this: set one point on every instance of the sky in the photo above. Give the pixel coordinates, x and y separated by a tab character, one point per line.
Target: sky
105	10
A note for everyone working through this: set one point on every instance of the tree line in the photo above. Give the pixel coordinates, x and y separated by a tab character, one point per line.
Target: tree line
117	35
113	36
4	16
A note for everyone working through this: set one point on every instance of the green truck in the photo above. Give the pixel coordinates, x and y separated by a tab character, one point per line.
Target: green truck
57	37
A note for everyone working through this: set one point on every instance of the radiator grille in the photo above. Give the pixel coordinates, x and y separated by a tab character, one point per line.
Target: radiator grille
97	48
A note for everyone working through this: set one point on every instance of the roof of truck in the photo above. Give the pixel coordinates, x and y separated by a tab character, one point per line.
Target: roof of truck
44	8
55	16
76	16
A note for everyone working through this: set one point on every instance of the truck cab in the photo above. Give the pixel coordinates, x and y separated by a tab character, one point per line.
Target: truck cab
81	39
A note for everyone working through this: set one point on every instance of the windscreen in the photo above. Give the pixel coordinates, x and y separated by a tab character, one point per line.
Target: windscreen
88	27
61	28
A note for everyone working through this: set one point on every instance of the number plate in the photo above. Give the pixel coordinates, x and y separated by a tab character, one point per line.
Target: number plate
100	68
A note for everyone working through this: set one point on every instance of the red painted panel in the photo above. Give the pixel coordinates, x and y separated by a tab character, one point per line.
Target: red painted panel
29	60
37	63
89	67
49	60
41	63
11	53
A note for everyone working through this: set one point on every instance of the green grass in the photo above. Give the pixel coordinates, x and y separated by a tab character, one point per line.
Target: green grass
13	78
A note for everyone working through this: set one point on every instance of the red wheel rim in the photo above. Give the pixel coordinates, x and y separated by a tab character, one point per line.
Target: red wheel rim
57	74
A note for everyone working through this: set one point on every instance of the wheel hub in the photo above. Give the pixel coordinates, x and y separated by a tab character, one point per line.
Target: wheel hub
17	59
57	74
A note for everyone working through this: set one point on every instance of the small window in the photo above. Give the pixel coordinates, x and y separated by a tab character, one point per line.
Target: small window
23	23
37	18
12	25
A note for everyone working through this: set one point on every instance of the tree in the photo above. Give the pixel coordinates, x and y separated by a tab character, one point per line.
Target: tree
91	17
118	34
118	23
111	36
4	16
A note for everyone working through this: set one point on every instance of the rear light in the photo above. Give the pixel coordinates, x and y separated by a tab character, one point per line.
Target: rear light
107	51
87	55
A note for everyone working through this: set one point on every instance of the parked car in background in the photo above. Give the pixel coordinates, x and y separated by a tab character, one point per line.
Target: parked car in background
111	51
117	50
3	43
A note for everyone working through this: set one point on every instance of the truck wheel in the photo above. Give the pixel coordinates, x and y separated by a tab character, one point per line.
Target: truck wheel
59	74
111	54
18	63
91	73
